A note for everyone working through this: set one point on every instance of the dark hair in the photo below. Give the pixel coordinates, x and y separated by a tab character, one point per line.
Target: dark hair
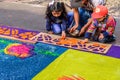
88	6
56	6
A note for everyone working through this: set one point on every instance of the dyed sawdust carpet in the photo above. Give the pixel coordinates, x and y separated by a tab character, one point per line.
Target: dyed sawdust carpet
78	65
17	33
15	68
73	43
52	62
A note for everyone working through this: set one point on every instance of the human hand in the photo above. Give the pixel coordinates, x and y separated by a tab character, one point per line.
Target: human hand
101	36
73	28
63	35
85	40
82	31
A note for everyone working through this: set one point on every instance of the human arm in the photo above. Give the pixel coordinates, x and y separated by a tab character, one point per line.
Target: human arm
110	27
48	26
63	27
63	36
85	27
89	33
76	18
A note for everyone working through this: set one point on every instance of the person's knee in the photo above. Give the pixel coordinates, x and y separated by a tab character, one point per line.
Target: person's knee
57	31
56	28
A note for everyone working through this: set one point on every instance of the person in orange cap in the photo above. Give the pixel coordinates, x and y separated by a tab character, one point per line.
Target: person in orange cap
82	13
102	26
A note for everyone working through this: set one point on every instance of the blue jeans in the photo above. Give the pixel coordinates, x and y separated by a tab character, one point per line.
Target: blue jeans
107	39
84	15
56	28
70	17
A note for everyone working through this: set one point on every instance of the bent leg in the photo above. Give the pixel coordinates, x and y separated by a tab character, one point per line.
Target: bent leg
107	39
56	28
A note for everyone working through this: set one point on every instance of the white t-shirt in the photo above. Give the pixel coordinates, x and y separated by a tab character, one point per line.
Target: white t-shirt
98	2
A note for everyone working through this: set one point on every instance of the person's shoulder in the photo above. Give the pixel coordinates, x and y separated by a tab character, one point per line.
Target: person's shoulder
94	22
110	17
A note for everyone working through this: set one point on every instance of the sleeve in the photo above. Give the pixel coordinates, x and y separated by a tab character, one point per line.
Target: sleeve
92	27
110	27
48	25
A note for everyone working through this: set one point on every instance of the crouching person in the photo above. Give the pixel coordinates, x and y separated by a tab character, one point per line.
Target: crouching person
102	27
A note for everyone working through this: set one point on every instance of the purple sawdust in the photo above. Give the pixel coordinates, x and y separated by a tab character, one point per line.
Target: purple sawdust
101	48
95	50
56	40
90	47
74	46
46	38
84	48
114	51
66	45
49	37
84	45
49	41
80	45
40	39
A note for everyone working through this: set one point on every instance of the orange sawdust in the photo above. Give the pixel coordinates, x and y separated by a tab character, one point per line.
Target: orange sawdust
73	77
103	46
99	45
96	44
7	32
69	41
82	42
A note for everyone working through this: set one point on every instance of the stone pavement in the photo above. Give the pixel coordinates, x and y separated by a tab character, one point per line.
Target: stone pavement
31	17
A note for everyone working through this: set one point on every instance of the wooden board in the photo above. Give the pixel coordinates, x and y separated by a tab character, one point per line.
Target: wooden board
72	43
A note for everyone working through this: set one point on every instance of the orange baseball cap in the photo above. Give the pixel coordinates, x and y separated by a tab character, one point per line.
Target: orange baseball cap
100	11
